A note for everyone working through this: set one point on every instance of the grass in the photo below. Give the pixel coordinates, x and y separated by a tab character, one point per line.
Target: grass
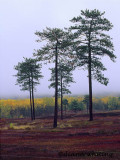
15	126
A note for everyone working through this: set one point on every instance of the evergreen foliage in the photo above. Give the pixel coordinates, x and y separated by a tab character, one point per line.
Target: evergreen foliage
91	43
55	49
76	106
28	75
86	101
64	78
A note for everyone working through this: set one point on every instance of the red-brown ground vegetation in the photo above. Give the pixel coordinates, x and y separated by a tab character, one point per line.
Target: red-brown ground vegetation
74	138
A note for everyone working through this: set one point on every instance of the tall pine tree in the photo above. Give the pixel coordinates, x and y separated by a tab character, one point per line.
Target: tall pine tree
56	42
28	75
91	43
64	79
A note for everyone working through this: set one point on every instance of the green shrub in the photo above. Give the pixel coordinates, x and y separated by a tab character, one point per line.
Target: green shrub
76	106
11	126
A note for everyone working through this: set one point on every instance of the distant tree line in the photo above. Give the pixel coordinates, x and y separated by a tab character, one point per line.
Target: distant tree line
81	45
69	107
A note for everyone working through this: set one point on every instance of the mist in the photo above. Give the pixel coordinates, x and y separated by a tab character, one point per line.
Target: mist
19	20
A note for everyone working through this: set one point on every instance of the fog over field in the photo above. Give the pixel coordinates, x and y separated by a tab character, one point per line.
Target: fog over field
20	19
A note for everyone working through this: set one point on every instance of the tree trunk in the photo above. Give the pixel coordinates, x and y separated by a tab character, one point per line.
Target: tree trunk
31	106
56	89
87	107
90	81
33	100
30	101
65	110
61	100
90	96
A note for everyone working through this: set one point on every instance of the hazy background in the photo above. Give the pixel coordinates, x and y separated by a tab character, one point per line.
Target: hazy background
20	19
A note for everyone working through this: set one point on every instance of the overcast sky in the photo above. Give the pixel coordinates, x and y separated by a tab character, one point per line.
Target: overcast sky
20	19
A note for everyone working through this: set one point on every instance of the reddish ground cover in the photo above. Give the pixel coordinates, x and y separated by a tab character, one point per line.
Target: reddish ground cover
75	138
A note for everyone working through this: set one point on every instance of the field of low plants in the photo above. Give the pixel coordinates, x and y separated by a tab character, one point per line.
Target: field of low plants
74	138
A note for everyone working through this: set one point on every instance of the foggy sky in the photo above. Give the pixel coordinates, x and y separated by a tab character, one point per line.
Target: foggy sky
20	19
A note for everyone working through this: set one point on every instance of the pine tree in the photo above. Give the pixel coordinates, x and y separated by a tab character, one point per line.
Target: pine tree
55	48
64	79
90	43
28	75
86	101
65	103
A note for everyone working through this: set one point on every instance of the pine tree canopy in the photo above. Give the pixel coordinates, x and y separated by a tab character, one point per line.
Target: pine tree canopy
64	74
53	37
28	73
90	36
